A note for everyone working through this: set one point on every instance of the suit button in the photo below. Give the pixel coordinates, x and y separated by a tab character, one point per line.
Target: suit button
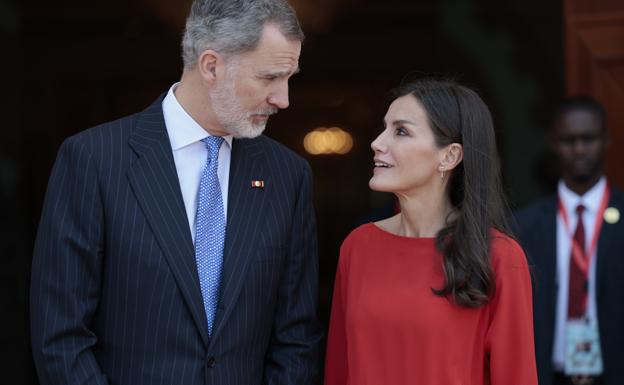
211	362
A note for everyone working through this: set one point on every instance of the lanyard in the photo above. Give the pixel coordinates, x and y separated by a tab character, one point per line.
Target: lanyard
578	251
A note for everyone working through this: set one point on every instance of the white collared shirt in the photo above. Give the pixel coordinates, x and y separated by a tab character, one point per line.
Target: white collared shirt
591	200
190	155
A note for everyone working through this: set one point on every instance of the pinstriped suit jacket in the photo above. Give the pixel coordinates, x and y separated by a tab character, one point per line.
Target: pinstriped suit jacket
115	296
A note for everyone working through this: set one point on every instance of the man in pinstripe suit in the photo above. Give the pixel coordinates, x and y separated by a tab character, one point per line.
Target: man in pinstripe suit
116	296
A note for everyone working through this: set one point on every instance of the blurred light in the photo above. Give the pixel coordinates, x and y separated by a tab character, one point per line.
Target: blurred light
331	140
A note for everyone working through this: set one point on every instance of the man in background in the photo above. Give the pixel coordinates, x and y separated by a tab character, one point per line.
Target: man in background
178	245
575	239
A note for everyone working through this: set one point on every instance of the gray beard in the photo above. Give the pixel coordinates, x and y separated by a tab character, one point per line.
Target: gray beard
230	113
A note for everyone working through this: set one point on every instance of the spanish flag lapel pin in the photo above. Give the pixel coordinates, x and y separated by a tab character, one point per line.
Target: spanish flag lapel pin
257	184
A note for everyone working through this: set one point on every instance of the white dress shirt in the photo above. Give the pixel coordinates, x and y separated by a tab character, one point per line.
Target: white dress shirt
190	155
591	200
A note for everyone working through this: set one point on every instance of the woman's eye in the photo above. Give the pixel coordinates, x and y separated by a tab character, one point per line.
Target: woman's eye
401	131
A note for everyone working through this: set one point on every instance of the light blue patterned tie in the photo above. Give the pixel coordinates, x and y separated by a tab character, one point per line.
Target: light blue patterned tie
210	230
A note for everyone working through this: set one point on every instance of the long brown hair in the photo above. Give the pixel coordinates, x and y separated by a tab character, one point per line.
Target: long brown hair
458	115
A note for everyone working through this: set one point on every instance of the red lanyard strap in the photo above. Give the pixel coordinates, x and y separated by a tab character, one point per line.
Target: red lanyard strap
578	251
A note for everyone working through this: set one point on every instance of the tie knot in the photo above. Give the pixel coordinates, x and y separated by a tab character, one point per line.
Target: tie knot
213	143
580	209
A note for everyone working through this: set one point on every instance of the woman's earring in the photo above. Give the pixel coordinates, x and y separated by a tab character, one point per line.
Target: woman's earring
442	173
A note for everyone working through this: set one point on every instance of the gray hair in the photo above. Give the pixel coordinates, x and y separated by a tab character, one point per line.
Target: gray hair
234	26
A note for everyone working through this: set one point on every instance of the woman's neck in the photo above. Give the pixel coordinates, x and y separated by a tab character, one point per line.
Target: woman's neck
424	215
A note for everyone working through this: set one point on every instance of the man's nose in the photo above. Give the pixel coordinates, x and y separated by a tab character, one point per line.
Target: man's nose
580	145
279	98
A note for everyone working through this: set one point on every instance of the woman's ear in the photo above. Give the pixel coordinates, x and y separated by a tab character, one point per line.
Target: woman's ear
451	156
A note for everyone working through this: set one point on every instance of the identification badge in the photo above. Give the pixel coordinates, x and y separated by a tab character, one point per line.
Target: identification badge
582	349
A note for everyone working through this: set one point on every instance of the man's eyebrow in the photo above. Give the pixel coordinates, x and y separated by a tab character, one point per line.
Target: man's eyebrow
280	73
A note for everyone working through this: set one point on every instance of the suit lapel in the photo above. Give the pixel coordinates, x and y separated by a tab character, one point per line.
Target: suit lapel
607	233
548	242
545	291
245	214
154	180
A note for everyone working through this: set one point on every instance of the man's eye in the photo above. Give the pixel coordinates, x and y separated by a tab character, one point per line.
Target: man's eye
589	138
566	140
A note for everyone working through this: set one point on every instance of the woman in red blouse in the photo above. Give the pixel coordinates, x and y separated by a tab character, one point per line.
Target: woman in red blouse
438	294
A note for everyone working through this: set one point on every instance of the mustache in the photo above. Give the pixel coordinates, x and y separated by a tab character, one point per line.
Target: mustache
266	111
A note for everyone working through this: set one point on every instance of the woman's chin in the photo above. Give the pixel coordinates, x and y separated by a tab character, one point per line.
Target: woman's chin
377	185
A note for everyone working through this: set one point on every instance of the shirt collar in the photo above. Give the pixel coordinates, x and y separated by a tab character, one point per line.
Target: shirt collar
181	127
591	199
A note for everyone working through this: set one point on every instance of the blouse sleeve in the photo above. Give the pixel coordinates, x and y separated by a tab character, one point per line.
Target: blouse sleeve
336	358
509	339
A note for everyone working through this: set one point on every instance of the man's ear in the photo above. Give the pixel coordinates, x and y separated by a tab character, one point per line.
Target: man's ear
208	65
451	156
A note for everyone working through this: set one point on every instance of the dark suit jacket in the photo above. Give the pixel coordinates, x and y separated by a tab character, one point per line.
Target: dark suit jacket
115	295
537	233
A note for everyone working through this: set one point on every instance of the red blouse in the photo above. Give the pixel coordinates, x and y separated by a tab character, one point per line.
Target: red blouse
388	327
